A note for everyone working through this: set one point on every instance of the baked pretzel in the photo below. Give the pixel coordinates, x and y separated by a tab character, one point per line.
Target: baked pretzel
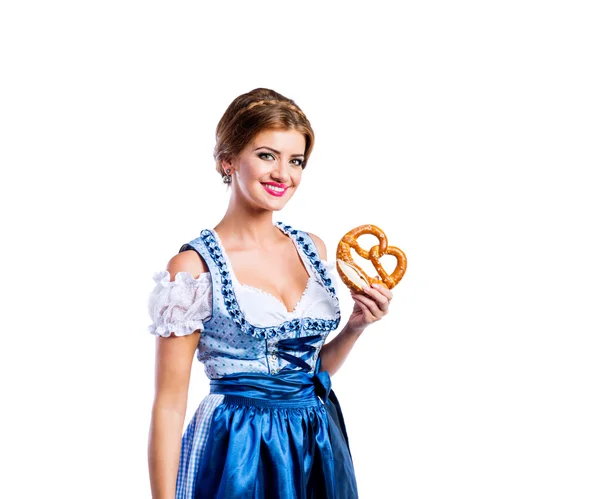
352	275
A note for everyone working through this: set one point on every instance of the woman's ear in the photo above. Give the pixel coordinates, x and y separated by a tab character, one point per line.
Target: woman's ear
227	165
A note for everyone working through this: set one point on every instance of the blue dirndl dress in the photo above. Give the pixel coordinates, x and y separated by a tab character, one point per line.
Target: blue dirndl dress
271	426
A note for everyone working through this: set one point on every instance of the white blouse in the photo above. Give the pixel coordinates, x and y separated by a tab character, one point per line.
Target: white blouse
182	306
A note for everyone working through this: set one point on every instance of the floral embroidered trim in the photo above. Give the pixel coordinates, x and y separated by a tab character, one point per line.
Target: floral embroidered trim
233	307
313	257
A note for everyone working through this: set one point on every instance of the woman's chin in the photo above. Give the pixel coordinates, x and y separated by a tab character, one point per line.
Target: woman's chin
276	202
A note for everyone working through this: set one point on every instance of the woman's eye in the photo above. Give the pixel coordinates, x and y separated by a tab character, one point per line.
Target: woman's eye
268	155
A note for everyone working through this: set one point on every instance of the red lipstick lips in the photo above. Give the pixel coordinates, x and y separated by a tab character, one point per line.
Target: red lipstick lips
275	192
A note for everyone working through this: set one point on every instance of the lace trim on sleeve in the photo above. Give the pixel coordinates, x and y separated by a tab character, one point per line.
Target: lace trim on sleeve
180	306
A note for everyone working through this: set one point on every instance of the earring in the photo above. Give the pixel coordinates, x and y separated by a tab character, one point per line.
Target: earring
227	177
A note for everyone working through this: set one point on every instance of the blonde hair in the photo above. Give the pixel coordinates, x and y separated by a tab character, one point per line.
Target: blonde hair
251	113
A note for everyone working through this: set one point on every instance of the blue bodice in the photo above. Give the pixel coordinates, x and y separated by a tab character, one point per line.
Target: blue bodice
230	344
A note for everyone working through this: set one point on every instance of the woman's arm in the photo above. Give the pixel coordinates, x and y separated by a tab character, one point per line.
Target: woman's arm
334	353
174	357
367	309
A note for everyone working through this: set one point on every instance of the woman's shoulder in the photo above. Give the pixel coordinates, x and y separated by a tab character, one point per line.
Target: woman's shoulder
187	261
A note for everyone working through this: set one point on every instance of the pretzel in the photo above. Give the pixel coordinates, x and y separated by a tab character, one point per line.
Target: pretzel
352	275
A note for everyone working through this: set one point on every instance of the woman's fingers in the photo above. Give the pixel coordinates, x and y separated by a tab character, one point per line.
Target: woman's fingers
384	291
371	305
381	295
374	302
369	317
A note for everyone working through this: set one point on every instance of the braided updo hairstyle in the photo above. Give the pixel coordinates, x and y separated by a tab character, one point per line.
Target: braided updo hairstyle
251	113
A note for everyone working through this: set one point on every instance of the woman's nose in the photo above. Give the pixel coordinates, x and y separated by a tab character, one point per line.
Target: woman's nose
281	171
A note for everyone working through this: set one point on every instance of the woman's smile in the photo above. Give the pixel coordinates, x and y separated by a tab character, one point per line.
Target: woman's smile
275	189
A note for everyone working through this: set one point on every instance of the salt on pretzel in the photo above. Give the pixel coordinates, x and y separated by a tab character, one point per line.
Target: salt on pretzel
352	275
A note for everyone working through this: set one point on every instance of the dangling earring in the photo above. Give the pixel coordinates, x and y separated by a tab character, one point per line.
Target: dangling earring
227	177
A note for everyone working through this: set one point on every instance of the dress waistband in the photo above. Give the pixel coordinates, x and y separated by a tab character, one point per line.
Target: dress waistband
284	389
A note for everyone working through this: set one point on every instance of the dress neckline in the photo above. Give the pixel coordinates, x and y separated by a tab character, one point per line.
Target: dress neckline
262	291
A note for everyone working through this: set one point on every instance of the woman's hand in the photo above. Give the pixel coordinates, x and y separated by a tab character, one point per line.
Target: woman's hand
367	309
371	308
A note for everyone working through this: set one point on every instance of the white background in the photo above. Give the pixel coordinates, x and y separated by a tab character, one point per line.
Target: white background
468	131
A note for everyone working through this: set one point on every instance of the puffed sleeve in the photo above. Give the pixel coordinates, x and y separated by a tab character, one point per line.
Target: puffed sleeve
180	306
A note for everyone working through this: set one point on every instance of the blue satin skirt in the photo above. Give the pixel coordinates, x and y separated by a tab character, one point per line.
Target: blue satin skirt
276	436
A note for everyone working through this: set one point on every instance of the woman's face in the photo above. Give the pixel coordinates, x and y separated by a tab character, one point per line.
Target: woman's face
268	170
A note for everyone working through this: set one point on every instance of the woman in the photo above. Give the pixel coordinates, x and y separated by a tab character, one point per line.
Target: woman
256	301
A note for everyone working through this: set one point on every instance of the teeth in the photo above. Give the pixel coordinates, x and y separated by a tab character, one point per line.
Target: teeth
273	188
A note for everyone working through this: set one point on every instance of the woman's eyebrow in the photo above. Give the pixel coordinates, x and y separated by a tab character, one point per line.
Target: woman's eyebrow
275	151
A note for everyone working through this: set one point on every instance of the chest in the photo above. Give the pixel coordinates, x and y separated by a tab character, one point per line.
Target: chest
281	273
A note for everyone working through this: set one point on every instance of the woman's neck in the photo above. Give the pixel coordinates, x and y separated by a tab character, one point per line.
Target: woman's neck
241	228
